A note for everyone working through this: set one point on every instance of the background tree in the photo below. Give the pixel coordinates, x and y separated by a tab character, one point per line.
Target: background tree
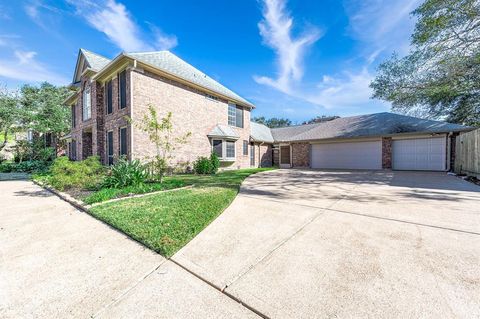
9	115
160	134
272	122
47	113
321	118
440	78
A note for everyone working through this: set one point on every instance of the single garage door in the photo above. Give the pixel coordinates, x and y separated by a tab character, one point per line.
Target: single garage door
426	154
355	155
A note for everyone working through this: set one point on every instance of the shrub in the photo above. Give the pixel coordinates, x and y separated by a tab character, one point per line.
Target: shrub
24	167
215	163
125	173
66	174
202	165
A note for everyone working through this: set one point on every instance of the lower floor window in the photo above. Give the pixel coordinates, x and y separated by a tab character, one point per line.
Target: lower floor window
218	148
230	149
224	149
123	141
110	148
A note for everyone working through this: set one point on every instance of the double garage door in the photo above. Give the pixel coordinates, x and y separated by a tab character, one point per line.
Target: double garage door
409	154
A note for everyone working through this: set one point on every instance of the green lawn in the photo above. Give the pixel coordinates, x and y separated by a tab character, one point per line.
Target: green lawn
105	194
166	222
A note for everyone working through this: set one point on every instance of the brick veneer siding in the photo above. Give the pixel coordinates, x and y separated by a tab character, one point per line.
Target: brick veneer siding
386	152
117	119
191	111
300	154
90	125
263	155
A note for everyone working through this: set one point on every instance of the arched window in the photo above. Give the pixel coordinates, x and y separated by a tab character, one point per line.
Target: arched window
87	104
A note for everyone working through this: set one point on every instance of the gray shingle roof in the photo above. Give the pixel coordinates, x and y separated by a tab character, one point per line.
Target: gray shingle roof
96	62
260	133
377	124
170	63
223	131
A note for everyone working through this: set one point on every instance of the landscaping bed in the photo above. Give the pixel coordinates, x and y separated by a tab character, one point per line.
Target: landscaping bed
163	221
167	221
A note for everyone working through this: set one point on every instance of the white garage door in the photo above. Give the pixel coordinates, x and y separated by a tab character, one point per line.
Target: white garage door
426	154
356	155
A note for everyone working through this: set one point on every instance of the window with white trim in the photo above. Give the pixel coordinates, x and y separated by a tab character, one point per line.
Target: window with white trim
230	149
218	147
232	109
87	104
224	149
245	147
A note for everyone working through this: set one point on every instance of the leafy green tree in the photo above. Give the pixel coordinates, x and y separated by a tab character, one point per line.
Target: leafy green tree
440	78
160	133
321	118
272	122
9	115
45	110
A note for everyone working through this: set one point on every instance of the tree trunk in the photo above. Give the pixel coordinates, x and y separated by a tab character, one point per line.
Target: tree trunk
4	143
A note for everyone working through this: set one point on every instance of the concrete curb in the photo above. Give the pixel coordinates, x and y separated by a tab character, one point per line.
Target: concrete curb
84	208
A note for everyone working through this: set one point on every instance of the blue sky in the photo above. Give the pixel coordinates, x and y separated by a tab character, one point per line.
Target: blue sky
294	59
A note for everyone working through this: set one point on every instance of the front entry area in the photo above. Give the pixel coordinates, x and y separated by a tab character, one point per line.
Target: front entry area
348	155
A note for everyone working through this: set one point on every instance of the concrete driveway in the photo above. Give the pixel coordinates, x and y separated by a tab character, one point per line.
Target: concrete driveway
305	243
58	262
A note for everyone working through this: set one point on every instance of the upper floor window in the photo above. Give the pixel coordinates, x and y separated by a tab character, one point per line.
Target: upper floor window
74	116
87	104
235	115
122	89
108	97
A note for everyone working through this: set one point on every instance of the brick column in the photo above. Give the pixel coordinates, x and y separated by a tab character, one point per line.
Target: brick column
386	152
300	155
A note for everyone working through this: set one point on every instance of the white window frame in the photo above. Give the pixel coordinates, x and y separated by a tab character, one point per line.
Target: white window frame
224	149
87	104
232	116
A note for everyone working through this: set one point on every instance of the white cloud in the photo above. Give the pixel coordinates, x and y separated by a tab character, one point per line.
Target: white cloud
163	41
43	15
276	31
381	25
378	26
24	67
115	21
347	90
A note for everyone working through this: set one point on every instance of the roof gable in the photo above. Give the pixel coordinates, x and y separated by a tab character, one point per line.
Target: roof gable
88	60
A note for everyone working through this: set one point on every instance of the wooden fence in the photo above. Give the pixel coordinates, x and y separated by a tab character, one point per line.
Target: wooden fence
467	153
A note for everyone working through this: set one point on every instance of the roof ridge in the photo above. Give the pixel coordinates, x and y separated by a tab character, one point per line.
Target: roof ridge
99	55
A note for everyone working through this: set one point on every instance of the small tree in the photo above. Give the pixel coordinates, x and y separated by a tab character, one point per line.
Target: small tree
160	134
9	115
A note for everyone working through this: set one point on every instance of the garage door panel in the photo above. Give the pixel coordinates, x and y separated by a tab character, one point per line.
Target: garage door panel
355	155
427	154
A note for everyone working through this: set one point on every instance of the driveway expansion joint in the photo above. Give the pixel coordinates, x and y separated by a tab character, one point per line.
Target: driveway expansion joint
371	216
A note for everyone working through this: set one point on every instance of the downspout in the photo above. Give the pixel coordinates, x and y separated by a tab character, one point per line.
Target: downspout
449	152
131	108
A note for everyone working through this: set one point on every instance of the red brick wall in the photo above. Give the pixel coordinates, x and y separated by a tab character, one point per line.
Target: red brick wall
386	152
191	111
300	154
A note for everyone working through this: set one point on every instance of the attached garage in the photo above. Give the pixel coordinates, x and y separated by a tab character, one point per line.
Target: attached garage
426	154
347	155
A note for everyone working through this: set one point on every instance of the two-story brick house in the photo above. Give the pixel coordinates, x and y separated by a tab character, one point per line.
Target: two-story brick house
106	92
